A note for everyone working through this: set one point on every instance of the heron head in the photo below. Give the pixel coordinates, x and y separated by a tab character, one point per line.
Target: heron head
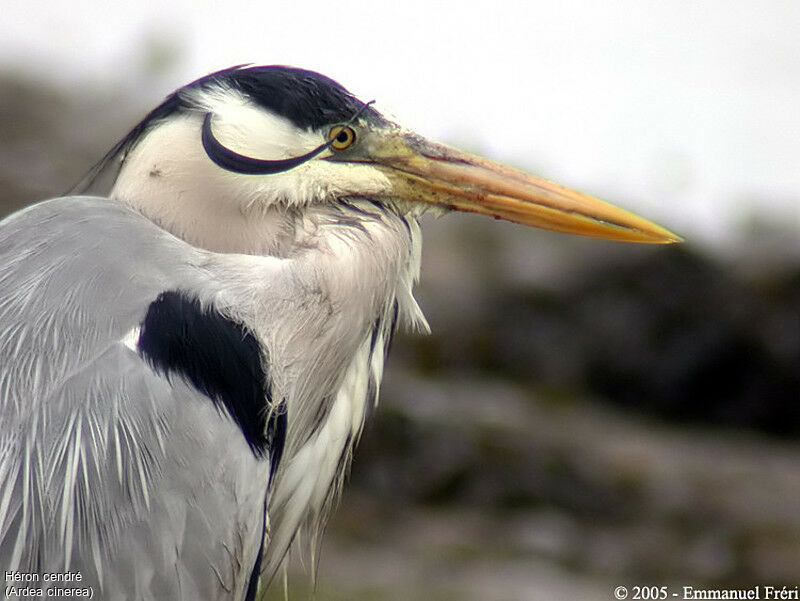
254	141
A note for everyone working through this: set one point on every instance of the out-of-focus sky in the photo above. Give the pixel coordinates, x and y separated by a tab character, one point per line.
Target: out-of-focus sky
686	111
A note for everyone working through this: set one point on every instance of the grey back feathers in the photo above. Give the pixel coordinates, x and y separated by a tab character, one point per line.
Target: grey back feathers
96	443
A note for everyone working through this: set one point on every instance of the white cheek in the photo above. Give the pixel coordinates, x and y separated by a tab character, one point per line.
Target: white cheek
320	180
169	163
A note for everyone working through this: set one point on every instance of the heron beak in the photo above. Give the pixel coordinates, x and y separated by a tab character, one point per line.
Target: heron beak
428	172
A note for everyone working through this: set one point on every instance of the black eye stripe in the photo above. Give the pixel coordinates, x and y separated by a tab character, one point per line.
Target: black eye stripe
232	161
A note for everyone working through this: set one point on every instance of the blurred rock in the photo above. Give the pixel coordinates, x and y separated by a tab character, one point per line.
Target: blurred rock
662	331
50	138
581	485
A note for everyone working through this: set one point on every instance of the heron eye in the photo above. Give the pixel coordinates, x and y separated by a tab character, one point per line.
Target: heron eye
342	137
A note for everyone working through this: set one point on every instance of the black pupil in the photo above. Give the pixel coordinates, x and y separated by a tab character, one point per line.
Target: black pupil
342	137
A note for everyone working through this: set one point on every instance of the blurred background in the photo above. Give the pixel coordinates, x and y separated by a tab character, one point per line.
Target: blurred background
585	414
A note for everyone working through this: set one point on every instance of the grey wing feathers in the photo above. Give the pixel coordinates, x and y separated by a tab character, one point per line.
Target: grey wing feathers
98	452
68	287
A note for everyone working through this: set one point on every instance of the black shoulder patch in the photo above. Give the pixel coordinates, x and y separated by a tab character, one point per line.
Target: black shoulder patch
220	358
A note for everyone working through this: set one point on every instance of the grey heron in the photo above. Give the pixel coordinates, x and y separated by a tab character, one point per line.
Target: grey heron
186	363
